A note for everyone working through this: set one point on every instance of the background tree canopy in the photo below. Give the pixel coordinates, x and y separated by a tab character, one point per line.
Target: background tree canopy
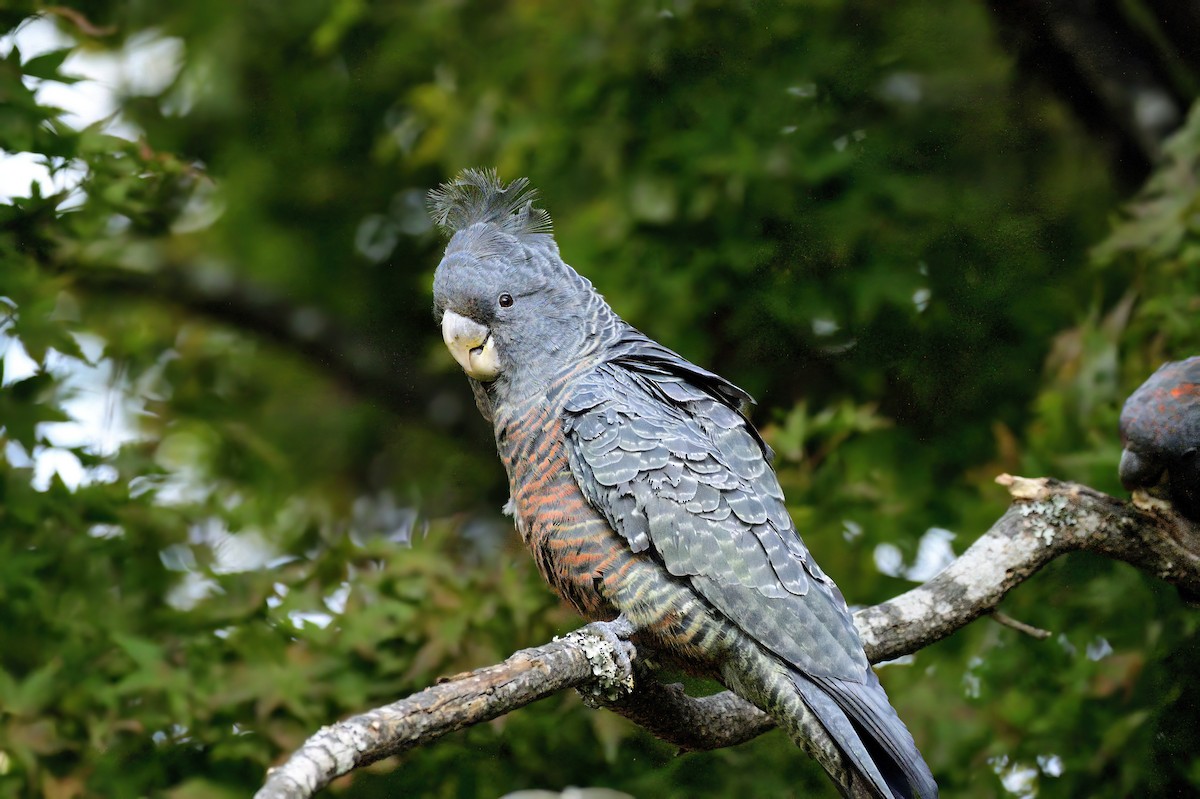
244	491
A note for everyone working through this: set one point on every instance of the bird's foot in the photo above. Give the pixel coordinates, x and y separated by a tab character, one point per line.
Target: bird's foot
616	633
606	645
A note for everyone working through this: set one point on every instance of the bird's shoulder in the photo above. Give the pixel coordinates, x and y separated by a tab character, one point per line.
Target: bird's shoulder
666	421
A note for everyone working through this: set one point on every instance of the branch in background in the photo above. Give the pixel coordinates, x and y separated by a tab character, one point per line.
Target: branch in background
1103	66
1047	519
85	26
1179	22
348	356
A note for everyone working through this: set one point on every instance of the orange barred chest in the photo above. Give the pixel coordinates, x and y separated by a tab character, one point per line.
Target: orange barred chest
572	544
589	565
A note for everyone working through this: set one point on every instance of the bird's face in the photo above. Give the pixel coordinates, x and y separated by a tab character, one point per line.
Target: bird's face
474	306
504	322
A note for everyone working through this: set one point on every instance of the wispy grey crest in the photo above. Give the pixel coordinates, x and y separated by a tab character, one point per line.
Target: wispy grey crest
478	196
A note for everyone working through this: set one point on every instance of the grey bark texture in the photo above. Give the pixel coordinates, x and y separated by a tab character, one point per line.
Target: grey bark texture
1047	519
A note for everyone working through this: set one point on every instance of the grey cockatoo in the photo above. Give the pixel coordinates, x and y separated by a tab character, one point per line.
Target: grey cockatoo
645	494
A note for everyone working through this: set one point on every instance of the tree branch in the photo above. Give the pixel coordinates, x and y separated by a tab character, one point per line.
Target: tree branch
1104	67
351	358
1020	626
457	702
1047	519
1179	23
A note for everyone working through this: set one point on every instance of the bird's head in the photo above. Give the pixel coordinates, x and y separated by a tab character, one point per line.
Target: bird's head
1160	432
512	313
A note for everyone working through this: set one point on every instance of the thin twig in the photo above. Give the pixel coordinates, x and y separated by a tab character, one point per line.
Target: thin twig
1020	626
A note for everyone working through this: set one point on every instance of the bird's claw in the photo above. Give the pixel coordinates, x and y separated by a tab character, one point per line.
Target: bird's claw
616	633
606	646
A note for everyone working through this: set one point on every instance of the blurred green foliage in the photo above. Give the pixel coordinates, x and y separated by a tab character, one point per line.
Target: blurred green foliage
859	211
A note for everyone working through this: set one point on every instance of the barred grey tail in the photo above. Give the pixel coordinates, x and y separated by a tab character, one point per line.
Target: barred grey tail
866	728
848	727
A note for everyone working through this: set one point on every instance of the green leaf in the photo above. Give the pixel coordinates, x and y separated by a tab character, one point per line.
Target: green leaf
37	690
46	66
26	404
147	655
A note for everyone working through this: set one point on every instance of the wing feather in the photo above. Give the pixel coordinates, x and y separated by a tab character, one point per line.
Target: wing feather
687	480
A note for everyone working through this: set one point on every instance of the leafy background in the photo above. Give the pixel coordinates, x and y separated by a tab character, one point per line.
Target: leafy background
244	492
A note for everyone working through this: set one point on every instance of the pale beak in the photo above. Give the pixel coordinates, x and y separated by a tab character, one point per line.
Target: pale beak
471	345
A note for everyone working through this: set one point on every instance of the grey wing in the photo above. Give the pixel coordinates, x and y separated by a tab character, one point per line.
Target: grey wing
677	471
673	469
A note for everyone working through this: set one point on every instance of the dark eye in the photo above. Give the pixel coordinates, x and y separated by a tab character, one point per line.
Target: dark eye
505	300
